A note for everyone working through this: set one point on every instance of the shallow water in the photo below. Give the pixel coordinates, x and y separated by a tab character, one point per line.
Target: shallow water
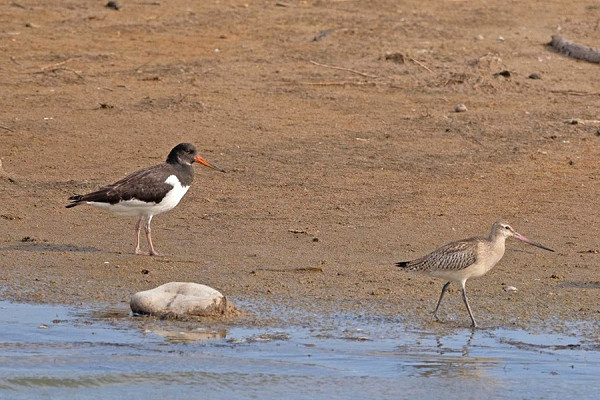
58	352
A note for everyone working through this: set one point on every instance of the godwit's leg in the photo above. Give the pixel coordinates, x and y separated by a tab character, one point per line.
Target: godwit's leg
464	296
440	300
149	238
138	228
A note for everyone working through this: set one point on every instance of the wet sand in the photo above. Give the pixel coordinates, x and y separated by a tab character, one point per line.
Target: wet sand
334	174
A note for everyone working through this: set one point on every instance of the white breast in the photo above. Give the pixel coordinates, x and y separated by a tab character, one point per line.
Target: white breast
174	196
488	258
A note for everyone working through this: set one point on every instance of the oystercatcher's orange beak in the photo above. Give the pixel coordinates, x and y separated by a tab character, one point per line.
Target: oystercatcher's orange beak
202	161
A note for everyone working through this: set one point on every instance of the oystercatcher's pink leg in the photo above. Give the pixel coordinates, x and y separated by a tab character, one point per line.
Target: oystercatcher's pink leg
138	228
149	238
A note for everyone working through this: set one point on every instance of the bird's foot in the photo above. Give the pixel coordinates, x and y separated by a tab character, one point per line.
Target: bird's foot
141	252
148	253
152	252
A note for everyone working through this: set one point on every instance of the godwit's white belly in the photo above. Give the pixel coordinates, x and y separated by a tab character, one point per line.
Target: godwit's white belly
472	271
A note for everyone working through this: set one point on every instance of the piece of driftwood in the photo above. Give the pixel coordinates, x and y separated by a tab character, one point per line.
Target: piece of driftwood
343	69
341	83
322	35
298	269
578	121
575	50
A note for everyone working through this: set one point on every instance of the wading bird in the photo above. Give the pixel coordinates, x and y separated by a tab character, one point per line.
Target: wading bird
149	191
464	259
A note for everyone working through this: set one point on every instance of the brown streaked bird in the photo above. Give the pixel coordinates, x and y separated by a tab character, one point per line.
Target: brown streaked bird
148	192
464	259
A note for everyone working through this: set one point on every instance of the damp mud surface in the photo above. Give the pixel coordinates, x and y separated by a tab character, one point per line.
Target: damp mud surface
336	123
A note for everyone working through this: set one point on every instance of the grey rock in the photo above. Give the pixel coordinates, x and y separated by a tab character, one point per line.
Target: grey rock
180	300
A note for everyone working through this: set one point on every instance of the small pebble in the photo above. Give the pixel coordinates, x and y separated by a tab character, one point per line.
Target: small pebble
114	5
509	289
504	73
534	76
460	108
395	57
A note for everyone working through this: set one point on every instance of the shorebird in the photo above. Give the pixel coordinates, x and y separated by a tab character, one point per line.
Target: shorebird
149	191
468	258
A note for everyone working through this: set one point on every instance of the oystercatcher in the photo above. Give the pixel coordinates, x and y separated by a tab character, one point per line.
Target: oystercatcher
148	192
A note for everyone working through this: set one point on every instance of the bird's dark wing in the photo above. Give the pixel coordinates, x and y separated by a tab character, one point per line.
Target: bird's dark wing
145	185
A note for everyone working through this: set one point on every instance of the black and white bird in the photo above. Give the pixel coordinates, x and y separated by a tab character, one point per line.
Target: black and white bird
149	191
468	258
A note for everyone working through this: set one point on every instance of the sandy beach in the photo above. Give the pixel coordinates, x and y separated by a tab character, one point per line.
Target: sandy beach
336	123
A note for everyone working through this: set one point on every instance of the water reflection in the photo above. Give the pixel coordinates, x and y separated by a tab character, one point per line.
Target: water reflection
445	356
189	336
454	367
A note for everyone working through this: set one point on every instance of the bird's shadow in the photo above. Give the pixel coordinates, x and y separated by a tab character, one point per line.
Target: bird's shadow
43	246
580	284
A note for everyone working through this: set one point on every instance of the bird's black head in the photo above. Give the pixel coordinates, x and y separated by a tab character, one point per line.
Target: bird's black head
183	153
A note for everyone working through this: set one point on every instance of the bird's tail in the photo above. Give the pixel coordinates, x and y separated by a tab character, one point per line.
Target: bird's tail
402	264
75	201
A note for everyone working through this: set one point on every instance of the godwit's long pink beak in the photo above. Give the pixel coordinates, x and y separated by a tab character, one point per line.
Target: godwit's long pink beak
531	242
202	161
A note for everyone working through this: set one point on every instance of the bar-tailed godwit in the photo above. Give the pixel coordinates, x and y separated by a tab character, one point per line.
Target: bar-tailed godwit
468	258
